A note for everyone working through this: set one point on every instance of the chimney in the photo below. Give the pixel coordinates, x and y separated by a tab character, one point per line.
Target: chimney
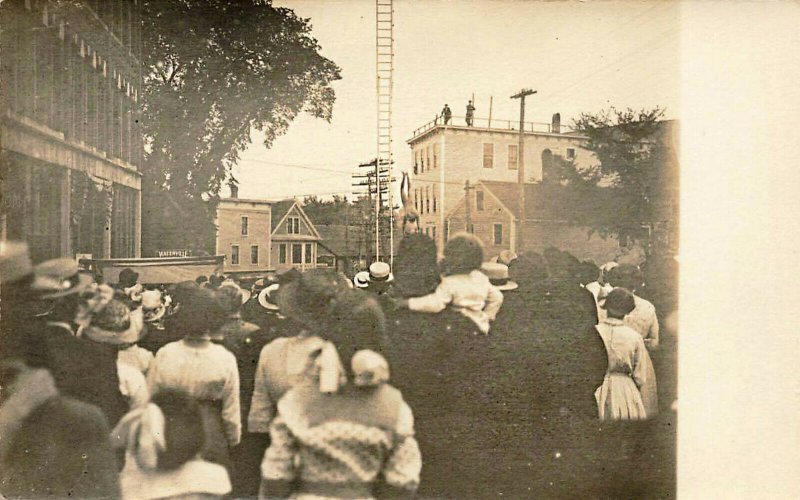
234	190
556	127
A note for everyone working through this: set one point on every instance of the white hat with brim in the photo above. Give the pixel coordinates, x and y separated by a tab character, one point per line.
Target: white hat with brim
266	299
380	271
361	279
498	276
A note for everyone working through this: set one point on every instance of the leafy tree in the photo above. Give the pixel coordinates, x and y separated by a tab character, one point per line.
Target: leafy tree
214	70
618	193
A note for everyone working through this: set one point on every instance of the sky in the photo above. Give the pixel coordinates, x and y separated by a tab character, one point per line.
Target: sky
578	56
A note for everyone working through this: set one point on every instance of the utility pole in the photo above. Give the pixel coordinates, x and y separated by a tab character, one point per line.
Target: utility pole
467	207
521	162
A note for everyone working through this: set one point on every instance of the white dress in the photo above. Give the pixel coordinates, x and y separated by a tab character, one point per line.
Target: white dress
629	369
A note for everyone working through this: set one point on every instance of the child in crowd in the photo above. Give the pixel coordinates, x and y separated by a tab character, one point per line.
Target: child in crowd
164	442
347	434
463	286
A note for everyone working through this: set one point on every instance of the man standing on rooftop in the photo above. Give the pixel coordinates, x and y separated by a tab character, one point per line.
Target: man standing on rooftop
446	114
470	113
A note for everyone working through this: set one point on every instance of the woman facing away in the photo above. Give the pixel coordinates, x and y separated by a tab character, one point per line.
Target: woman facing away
287	361
629	366
163	442
347	434
204	370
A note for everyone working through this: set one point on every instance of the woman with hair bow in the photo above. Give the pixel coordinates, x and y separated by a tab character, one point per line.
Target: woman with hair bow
163	442
348	433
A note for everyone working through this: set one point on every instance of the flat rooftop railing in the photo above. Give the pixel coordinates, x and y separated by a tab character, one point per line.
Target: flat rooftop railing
490	124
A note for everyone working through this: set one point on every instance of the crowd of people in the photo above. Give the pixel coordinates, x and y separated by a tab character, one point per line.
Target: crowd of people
461	377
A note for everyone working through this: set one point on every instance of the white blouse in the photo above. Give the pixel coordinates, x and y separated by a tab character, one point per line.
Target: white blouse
207	371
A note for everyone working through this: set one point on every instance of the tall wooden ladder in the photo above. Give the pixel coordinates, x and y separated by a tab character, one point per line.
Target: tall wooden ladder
384	68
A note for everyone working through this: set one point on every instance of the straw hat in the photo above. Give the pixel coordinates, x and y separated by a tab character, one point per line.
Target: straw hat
361	279
498	276
267	298
380	271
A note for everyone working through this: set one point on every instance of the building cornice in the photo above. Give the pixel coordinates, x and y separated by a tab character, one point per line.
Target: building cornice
26	124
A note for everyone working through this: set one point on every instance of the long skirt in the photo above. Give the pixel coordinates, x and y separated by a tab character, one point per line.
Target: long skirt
216	443
619	398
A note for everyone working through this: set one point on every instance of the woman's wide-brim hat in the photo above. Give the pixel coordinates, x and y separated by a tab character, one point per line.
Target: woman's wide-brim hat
267	298
58	278
125	328
498	276
307	299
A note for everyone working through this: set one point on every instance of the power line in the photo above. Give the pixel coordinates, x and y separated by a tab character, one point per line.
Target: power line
662	7
300	166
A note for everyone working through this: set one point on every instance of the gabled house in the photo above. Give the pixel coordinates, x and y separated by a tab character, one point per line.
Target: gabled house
294	237
257	236
495	219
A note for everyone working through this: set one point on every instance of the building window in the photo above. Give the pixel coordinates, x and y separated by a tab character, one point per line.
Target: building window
434	202
570	153
254	254
297	253
421	162
282	253
488	155
244	225
308	253
446	230
294	225
471	228
513	156
498	234
235	255
435	155
428	156
428	200
433	233
479	201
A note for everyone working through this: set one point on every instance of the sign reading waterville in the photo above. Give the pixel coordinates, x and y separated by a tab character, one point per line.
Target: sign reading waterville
174	253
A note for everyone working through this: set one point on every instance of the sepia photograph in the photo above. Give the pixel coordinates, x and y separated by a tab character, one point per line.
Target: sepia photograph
357	249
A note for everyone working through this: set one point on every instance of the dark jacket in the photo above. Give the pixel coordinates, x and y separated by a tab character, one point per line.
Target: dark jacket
547	360
435	361
82	369
62	450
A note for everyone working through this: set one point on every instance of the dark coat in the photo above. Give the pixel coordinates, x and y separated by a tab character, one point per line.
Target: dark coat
434	361
82	369
548	361
62	450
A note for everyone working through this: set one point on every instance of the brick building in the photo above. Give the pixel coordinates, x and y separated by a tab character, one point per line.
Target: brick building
261	235
70	139
444	157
